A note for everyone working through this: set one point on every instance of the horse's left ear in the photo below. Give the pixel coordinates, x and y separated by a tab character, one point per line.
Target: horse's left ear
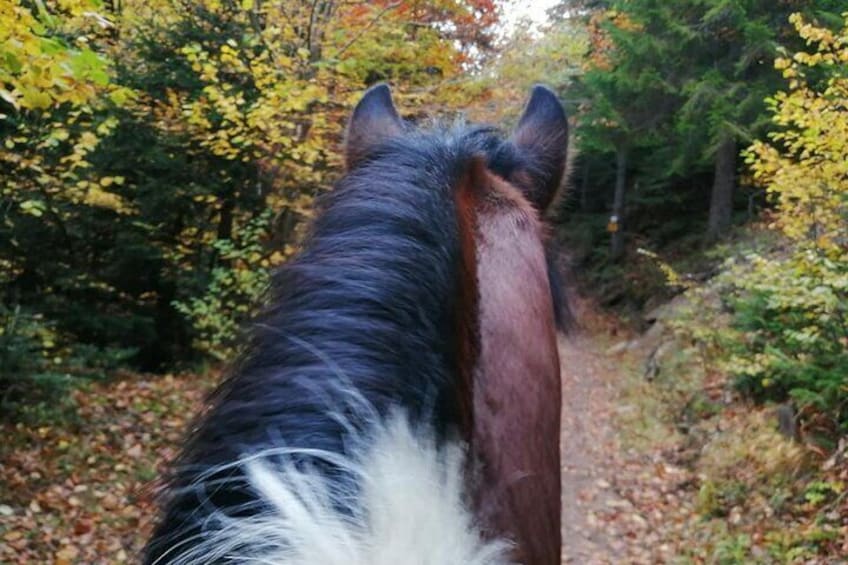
542	138
375	120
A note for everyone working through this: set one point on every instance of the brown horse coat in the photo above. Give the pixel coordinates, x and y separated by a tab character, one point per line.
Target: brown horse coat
516	380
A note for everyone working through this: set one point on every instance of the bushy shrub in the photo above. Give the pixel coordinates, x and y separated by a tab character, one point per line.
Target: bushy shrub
790	307
777	314
791	315
236	286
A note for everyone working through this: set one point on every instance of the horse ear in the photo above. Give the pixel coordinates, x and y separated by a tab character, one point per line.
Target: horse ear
374	121
542	137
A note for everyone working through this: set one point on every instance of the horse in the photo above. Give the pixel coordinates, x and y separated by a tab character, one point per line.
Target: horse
399	398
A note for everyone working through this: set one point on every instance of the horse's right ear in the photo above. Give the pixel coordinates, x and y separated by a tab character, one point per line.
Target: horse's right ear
374	121
542	136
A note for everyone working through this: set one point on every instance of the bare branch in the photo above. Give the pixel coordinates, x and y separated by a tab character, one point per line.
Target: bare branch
370	24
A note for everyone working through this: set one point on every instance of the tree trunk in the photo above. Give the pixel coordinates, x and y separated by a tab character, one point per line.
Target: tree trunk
617	219
724	182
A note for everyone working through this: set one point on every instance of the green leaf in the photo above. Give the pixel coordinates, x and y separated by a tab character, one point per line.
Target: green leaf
33	207
9	97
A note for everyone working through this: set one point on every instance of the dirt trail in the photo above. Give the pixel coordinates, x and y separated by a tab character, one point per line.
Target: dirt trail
619	505
587	438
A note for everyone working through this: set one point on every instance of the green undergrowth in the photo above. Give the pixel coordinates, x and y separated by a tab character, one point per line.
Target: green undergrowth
761	496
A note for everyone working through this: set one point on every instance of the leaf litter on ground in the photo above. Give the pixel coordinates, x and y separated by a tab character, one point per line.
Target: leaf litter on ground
83	491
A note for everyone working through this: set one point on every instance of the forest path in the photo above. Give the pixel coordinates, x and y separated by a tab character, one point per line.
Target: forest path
620	505
587	439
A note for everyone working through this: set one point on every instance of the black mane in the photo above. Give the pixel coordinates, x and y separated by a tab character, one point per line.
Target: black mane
368	306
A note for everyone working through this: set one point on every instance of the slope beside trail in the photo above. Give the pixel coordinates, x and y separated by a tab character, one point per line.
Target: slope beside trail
620	505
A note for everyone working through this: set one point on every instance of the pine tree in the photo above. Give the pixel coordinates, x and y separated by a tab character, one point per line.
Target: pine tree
686	83
631	91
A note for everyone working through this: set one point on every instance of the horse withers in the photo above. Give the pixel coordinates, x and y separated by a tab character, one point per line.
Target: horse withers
399	400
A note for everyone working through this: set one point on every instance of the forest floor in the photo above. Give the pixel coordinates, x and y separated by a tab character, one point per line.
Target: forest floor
620	504
669	465
82	491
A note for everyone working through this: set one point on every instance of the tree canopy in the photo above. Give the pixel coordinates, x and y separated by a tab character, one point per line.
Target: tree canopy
159	157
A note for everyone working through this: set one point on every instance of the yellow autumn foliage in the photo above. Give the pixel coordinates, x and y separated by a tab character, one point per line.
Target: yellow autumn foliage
158	158
47	66
790	332
805	166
